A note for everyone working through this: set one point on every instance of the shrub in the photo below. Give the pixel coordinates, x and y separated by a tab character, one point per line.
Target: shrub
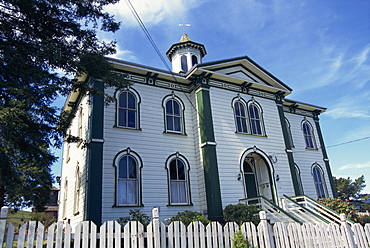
363	219
187	217
240	213
239	241
135	215
340	206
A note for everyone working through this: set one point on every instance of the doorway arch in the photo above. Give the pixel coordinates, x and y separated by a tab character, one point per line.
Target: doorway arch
258	174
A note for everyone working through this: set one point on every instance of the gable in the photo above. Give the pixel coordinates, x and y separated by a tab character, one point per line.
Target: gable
244	70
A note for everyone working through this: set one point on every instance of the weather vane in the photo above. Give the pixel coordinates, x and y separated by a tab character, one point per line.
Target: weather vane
183	25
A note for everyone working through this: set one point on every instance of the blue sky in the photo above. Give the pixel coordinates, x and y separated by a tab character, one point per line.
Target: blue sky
321	49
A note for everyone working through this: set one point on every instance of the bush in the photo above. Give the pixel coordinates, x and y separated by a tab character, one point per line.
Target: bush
242	213
135	215
187	217
340	206
239	241
363	219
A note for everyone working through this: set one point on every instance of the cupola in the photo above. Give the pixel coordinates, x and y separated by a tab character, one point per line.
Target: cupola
185	54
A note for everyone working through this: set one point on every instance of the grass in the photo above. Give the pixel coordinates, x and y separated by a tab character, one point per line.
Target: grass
18	218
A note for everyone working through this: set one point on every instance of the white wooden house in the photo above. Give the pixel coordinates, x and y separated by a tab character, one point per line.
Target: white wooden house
198	138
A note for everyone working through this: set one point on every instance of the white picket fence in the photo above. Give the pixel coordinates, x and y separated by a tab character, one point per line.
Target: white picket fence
158	235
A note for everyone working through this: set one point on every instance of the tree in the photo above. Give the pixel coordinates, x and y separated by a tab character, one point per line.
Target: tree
348	189
45	46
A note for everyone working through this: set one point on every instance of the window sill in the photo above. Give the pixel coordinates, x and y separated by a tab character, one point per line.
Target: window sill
312	149
173	133
76	213
127	206
180	205
127	128
254	135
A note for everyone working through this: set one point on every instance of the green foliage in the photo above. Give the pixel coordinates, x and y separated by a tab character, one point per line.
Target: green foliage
46	46
348	189
187	217
135	215
340	206
44	218
363	219
240	213
239	241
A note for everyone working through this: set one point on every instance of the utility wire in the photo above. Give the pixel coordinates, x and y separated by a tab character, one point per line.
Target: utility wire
141	23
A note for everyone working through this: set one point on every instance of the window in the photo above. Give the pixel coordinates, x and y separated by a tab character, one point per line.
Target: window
318	178
65	196
255	119
308	135
128	171
128	110
290	136
177	169
194	60
184	63
240	117
77	190
80	123
174	112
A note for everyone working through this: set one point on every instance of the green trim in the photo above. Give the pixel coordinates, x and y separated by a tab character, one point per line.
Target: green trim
209	155
325	155
288	146
95	160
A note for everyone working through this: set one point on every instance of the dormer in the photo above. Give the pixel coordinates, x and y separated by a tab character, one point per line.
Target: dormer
185	54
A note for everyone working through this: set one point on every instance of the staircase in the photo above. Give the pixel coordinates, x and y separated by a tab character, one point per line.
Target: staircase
298	209
273	212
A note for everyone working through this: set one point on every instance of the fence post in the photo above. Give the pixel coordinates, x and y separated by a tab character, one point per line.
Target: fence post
347	231
156	228
267	238
4	212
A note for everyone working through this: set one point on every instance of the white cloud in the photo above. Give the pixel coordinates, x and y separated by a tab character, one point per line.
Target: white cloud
151	12
347	112
123	54
355	166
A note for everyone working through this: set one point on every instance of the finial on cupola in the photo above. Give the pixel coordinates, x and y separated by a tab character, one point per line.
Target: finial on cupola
185	54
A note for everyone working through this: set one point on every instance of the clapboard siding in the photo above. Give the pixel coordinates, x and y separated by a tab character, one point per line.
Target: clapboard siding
77	157
230	146
305	158
153	147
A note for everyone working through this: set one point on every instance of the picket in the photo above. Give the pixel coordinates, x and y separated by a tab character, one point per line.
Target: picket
177	235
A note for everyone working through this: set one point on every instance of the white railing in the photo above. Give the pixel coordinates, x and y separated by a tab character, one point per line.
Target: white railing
320	209
300	212
177	235
274	212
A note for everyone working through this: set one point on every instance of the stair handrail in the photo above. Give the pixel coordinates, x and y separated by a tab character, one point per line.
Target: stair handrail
335	216
306	209
258	198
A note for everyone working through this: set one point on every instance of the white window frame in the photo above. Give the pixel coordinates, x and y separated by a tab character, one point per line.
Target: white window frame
259	120
178	157
136	110
168	98
118	189
316	172
240	118
310	136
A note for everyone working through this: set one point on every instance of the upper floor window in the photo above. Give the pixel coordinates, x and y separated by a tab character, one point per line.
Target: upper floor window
240	117
308	135
194	60
174	112
255	116
127	178
178	182
299	179
128	109
318	178
80	122
184	63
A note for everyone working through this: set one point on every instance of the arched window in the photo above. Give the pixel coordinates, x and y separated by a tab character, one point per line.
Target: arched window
318	178
255	116
290	136
77	190
178	182
128	178
174	112
240	117
308	135
127	110
184	63
80	123
194	60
